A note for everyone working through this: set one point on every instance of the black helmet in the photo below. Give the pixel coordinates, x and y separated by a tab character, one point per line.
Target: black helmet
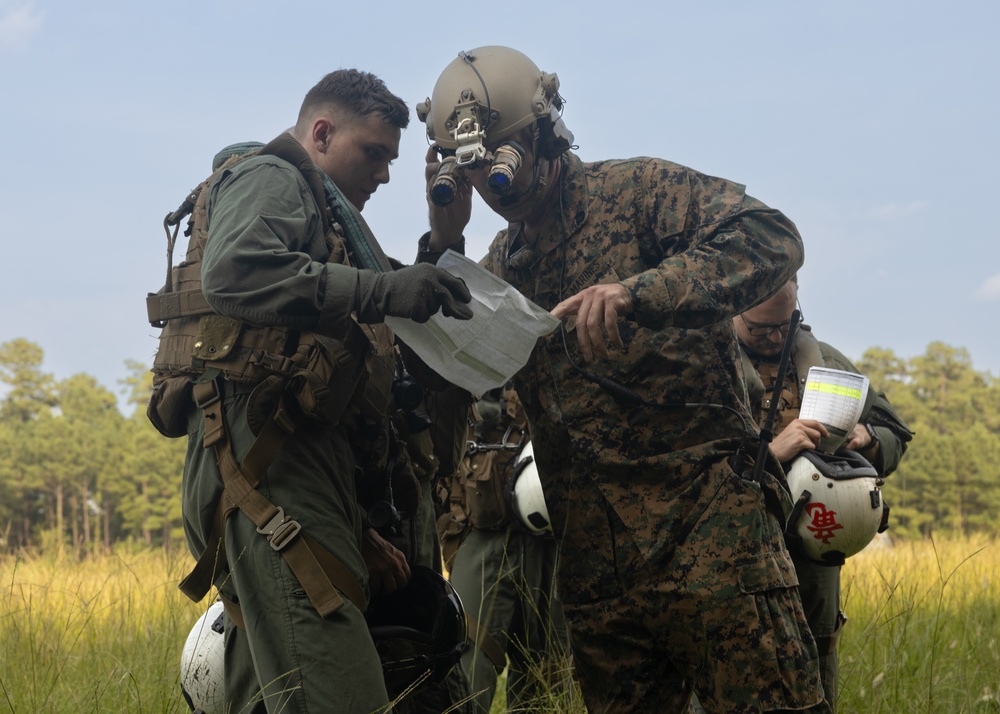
420	631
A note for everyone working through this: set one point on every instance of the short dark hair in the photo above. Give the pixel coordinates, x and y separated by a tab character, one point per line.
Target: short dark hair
359	93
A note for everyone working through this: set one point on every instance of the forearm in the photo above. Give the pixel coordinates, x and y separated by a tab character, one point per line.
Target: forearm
429	250
265	255
727	271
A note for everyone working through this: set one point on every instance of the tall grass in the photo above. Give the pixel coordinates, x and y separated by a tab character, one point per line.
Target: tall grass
923	630
105	635
102	635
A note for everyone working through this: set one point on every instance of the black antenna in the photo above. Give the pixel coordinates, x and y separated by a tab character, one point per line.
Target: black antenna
766	431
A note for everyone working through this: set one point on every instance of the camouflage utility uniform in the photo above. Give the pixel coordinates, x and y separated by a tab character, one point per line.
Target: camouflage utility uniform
266	263
819	584
673	571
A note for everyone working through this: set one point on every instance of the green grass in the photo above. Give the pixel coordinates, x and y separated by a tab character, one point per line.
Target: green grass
923	630
105	635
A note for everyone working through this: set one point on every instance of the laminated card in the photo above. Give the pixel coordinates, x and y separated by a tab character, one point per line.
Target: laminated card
836	399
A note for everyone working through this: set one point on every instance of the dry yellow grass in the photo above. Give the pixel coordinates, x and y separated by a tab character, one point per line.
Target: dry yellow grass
923	629
105	634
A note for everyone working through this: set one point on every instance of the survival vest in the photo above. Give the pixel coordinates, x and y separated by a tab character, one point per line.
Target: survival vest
195	340
292	374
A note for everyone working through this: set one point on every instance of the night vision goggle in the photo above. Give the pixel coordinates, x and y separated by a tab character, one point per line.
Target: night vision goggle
471	152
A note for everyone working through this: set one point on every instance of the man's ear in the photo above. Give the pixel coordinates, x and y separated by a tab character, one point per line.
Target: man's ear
322	132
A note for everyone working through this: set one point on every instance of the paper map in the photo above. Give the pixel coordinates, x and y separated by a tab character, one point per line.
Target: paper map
486	351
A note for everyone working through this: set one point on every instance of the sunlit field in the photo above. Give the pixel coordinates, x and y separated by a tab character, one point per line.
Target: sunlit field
105	635
923	630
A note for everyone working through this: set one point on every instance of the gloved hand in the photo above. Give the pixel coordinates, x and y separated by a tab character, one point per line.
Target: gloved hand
415	292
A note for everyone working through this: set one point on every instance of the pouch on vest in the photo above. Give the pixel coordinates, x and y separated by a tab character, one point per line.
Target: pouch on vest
332	372
320	375
484	489
169	406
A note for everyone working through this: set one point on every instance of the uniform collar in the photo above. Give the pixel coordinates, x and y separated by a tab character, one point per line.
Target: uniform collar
573	203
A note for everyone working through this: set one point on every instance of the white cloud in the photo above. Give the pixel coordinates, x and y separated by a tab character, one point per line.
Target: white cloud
893	211
989	290
19	23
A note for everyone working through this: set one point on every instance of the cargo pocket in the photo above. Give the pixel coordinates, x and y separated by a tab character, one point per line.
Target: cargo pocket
783	650
766	572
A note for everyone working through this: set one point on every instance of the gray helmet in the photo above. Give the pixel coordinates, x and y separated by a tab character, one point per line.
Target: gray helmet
420	631
486	95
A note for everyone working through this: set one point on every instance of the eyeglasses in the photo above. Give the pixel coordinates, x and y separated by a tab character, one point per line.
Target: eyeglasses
768	330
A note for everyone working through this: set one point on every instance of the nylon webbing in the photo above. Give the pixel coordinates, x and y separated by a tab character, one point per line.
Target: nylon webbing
485	642
364	247
320	573
360	239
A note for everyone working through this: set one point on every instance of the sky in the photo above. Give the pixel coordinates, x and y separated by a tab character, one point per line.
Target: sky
874	126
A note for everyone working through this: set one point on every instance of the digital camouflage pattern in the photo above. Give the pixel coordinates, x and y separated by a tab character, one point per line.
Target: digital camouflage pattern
659	537
819	584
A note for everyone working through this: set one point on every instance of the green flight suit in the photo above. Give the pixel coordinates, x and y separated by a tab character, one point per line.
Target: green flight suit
819	584
265	263
418	540
504	574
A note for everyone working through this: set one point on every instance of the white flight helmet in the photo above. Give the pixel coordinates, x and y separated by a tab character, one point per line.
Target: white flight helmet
202	663
526	501
838	504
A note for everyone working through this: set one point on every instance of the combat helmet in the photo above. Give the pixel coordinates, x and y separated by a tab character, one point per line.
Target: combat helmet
486	95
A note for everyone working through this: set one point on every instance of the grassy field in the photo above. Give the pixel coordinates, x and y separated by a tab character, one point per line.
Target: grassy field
923	630
105	635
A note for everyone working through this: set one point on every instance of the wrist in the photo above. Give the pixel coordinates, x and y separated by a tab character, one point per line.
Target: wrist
873	436
431	244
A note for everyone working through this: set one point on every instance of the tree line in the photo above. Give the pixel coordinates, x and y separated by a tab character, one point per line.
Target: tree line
75	473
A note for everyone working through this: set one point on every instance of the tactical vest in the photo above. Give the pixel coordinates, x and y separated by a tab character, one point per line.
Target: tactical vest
292	375
496	437
196	341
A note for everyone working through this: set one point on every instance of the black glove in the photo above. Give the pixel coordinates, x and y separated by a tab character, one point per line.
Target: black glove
415	292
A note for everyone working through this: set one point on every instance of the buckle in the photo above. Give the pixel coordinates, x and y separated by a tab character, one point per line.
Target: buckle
200	390
277	364
280	531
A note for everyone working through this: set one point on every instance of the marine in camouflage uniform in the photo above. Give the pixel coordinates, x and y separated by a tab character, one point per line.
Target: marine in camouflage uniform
761	333
673	571
504	573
